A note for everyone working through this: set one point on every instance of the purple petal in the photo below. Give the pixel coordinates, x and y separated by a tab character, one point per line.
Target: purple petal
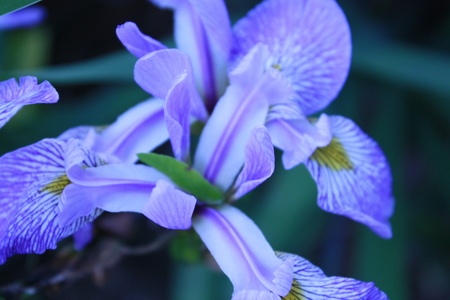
83	236
221	149
353	177
31	182
309	42
135	41
242	252
13	96
169	207
140	129
298	138
311	283
157	73
259	162
255	295
112	187
202	30
177	119
26	17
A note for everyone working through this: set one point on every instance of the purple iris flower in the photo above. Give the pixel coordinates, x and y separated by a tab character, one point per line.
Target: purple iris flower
23	18
13	95
306	46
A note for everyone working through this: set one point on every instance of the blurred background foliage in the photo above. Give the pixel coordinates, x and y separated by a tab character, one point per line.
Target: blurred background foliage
398	91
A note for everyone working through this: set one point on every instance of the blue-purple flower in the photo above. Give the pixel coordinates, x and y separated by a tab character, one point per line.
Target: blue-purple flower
304	46
254	88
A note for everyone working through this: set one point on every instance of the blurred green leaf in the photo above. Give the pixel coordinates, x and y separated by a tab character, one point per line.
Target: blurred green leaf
408	66
114	67
186	178
7	6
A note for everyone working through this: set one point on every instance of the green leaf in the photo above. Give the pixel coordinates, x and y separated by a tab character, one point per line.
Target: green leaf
110	68
7	6
182	175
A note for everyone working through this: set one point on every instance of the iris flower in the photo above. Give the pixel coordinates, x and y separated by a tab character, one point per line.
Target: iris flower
307	44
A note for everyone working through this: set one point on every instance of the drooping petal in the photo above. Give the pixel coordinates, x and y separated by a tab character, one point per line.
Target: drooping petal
311	283
13	96
259	162
31	182
169	207
242	252
309	41
299	138
221	149
353	177
83	236
135	41
112	187
202	30
158	71
27	17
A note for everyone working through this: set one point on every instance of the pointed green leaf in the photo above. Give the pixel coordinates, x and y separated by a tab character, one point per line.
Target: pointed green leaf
182	175
7	6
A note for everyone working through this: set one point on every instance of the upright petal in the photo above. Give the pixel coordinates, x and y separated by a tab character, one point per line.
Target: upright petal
31	182
309	41
13	96
221	149
26	17
140	129
202	30
311	283
353	177
159	71
170	207
259	162
243	253
299	138
135	41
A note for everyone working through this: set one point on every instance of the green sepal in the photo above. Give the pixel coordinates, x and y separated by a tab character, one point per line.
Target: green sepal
9	6
183	176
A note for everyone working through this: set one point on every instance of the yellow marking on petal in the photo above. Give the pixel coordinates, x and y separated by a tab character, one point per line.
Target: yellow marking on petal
333	156
295	293
276	66
57	185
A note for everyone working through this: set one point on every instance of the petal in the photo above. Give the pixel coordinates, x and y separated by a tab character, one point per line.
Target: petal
31	182
83	236
298	138
353	177
255	295
311	283
259	162
221	149
177	119
26	17
203	31
112	187
242	251
135	41
169	207
309	41
157	73
140	129
13	96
